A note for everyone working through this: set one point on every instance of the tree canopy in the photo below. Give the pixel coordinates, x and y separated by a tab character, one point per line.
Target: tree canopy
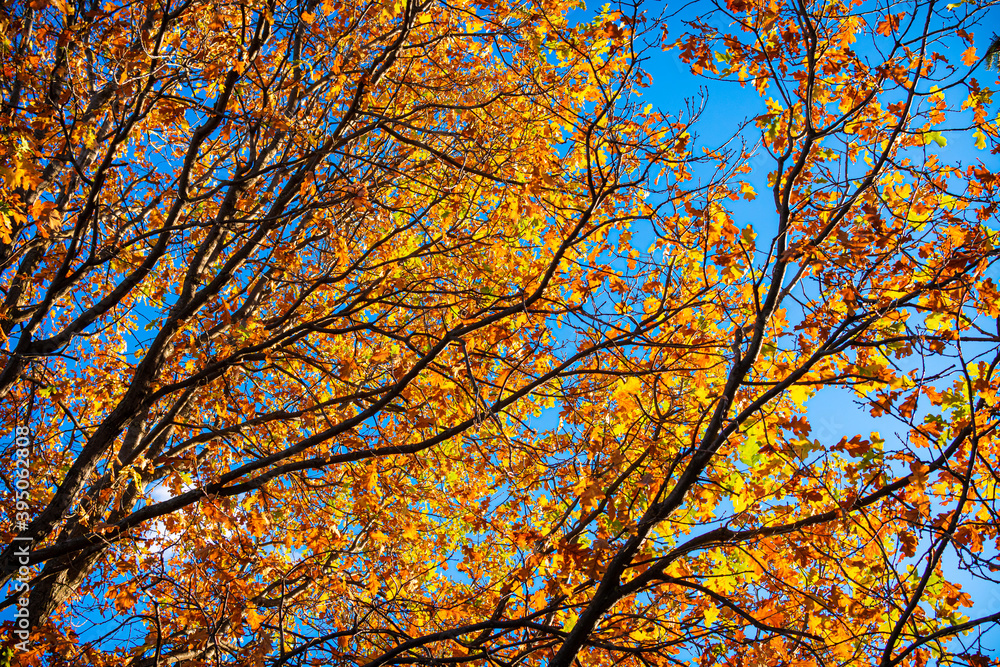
427	332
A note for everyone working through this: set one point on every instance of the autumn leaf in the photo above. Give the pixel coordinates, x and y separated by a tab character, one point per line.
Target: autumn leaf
354	335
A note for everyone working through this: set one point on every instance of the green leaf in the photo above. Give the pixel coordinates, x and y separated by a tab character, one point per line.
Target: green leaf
936	137
749	451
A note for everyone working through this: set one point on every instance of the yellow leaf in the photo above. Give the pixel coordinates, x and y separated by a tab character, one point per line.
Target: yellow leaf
799	394
627	388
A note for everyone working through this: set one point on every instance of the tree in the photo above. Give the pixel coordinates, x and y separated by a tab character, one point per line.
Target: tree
411	333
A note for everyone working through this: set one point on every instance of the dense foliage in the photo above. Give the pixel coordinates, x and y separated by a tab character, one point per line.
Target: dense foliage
440	332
